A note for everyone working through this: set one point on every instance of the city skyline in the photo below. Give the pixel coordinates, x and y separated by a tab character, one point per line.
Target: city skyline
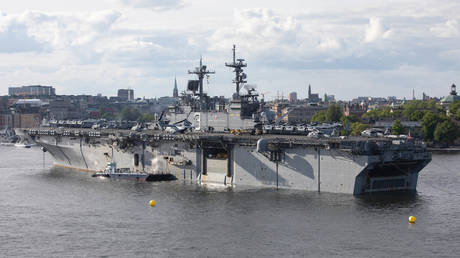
383	48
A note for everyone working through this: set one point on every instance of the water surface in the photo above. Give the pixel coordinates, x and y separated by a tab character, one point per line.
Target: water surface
50	212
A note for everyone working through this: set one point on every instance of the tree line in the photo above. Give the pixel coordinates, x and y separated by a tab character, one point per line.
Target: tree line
436	126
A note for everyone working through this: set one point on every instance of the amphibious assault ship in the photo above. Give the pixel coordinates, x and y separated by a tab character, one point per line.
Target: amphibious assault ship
231	148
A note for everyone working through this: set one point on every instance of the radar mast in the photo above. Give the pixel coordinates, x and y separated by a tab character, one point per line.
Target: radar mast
240	77
201	71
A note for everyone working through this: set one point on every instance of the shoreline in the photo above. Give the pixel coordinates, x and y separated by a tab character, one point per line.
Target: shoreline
449	150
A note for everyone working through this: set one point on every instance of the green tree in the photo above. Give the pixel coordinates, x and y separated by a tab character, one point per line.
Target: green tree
417	115
397	113
420	104
334	113
397	128
446	132
129	114
382	113
416	109
356	128
108	116
429	122
454	109
408	110
319	117
374	114
346	122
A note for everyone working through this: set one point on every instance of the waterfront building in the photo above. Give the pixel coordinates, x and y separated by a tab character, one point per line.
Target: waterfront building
300	114
6	120
126	94
32	91
452	97
312	97
293	97
354	109
32	120
63	108
277	108
331	98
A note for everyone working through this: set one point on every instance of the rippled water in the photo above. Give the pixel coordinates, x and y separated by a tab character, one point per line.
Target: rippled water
49	212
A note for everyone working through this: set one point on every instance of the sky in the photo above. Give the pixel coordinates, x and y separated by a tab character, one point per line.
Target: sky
343	48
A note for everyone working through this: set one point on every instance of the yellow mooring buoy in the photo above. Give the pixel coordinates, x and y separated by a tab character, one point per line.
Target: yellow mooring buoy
411	219
152	203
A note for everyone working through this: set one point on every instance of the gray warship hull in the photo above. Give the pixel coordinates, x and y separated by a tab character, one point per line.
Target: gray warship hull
353	166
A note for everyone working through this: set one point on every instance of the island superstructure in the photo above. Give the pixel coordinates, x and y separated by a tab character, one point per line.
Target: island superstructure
244	112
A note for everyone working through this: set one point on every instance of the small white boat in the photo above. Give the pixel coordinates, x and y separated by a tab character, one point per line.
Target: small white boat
22	145
111	171
6	144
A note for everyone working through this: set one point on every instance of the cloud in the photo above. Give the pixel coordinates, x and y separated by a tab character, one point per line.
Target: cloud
341	48
54	48
157	5
329	44
375	30
14	36
142	52
274	41
448	30
256	29
37	31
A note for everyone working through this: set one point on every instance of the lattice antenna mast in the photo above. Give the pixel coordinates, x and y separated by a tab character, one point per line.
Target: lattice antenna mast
201	72
240	77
